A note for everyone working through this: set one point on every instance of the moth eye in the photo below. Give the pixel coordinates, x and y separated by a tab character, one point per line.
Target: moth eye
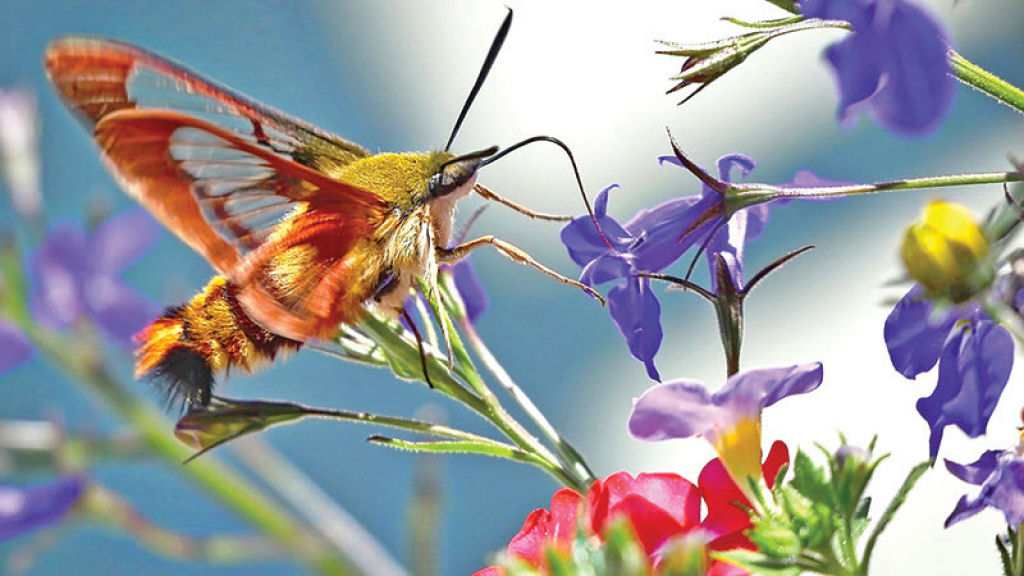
436	185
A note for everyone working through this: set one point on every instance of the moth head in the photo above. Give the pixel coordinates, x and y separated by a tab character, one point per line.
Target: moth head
457	171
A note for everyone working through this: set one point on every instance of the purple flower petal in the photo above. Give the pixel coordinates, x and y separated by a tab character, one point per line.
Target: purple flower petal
683	408
58	270
964	509
914	335
473	293
73	275
14	347
666	231
1002	488
807	179
763	387
677	409
118	309
23	509
973	370
637	313
582	239
893	64
976	472
729	161
121	240
605	268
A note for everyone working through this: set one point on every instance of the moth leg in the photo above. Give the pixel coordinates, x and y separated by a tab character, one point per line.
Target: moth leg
491	195
514	253
419	342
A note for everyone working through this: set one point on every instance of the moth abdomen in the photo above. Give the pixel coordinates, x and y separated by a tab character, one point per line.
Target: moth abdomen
183	350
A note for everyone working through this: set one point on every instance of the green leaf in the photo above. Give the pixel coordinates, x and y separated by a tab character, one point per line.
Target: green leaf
810	481
901	496
757	563
1004	556
486	448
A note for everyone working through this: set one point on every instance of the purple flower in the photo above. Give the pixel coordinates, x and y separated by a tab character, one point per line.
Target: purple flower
974	354
473	293
14	347
729	419
893	64
27	508
1000	473
915	333
649	242
76	274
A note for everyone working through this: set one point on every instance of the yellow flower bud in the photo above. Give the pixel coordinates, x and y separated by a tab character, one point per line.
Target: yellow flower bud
947	253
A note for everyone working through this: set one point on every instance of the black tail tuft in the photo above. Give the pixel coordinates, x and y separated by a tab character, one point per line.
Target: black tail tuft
184	377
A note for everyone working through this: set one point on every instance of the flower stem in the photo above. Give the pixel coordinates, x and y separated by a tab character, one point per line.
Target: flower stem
107	508
569	455
85	365
230	489
477	397
305	496
986	82
745	195
1018	557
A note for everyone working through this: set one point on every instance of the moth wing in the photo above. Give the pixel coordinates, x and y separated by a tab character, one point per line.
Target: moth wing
239	182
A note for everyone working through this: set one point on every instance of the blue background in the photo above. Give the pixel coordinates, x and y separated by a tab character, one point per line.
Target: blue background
392	76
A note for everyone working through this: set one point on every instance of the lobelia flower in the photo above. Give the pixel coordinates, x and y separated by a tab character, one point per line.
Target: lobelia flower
74	274
893	64
77	274
472	291
663	509
729	419
948	255
1000	473
649	242
974	354
27	508
467	283
14	347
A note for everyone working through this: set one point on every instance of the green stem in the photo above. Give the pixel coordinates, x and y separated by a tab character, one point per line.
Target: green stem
745	195
1018	557
986	82
319	509
483	401
569	455
107	508
231	490
77	358
569	461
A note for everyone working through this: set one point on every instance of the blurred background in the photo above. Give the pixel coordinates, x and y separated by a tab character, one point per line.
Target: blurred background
392	76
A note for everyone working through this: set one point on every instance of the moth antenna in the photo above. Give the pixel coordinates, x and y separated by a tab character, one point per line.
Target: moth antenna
575	171
492	55
419	344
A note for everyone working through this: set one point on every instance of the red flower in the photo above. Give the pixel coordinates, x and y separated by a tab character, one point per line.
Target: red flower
727	519
658	506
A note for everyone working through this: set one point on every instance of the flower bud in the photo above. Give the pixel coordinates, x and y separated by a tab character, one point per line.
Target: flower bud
947	253
207	427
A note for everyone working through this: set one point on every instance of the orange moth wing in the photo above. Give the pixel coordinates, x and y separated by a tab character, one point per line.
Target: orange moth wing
246	186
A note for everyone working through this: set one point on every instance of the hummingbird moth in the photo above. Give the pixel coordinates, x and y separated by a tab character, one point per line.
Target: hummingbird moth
305	229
